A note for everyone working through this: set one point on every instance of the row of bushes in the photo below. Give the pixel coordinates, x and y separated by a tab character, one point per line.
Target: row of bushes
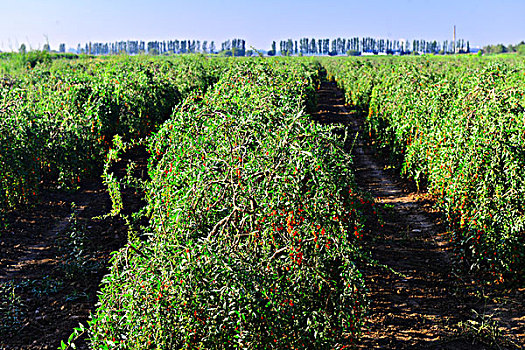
458	127
57	121
254	226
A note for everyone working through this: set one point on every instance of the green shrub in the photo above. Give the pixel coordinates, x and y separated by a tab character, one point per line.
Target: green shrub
456	126
57	122
254	227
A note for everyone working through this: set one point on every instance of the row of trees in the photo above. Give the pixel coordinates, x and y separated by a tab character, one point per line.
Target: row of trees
500	48
152	47
235	47
340	46
304	46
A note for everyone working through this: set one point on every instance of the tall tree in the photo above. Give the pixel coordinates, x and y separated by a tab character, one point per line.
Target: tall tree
303	46
326	46
273	51
313	47
289	47
333	51
192	46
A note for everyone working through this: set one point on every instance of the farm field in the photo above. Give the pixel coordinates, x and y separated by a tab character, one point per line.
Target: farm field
456	127
263	203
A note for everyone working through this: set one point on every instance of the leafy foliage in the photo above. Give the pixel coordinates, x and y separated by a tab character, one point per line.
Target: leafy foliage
254	226
57	122
12	309
458	126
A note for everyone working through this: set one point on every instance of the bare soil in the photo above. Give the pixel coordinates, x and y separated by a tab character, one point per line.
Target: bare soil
51	265
418	297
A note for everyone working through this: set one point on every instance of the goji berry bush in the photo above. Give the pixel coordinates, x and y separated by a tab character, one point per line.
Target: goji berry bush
457	126
255	224
57	119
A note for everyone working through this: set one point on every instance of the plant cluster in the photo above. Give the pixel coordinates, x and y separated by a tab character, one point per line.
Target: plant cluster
77	259
57	121
356	77
254	226
12	309
458	126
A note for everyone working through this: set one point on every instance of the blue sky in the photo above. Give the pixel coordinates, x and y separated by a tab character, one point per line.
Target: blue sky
259	22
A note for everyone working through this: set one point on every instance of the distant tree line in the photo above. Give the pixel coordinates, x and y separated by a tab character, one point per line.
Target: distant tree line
500	48
235	47
356	46
304	46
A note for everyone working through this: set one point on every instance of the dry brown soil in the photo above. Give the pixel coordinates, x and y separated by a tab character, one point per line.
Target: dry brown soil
52	294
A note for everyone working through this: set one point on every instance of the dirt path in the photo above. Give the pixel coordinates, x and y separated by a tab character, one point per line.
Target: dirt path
418	302
51	291
51	266
39	252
